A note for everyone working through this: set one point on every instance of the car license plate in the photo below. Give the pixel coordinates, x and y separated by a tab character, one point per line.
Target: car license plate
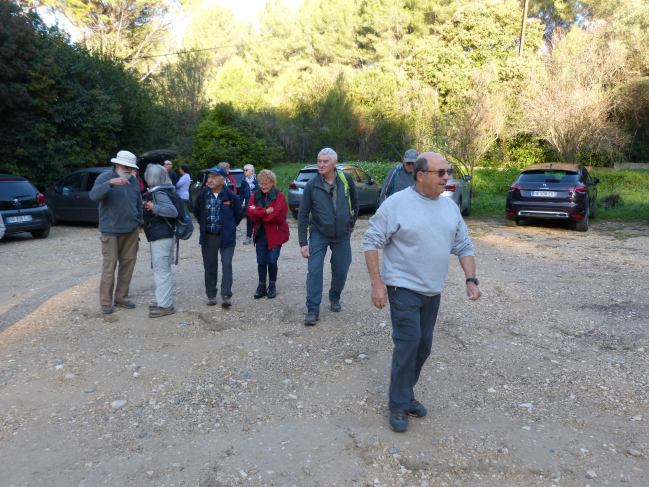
544	193
16	219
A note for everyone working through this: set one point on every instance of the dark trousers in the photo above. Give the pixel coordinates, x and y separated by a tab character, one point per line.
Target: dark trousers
341	259
267	259
249	227
413	321
211	249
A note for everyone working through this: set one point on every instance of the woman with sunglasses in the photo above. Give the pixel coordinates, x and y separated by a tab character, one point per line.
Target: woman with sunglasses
267	209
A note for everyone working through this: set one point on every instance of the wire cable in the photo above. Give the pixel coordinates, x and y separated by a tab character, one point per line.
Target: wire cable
307	34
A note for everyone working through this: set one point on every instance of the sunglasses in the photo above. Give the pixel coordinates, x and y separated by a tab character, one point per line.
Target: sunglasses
441	172
331	190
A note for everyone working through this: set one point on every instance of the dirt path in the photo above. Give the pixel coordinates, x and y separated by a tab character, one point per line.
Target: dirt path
541	382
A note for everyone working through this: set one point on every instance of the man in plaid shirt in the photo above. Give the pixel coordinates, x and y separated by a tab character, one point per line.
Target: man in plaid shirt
218	212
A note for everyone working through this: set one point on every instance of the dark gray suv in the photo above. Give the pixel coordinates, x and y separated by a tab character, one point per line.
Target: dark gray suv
368	189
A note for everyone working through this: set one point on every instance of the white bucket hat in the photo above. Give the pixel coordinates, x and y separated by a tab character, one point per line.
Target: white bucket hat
125	158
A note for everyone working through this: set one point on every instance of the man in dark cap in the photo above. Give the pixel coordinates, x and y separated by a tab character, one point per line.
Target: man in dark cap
218	213
399	177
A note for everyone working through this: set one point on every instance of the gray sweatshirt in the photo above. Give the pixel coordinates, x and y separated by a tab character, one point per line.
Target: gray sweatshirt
120	207
417	235
402	180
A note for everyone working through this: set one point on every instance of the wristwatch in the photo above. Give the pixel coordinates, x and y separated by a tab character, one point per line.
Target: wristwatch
474	280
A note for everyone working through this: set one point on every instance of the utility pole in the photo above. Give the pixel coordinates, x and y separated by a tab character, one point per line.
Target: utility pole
522	43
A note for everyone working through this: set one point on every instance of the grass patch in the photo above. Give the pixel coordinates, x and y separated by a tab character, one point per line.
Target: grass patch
491	186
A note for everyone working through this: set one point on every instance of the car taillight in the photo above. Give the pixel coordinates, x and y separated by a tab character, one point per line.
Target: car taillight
580	189
515	186
450	187
40	199
578	216
511	213
292	186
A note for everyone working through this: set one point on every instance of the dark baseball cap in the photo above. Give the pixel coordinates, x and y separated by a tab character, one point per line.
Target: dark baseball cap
410	155
219	171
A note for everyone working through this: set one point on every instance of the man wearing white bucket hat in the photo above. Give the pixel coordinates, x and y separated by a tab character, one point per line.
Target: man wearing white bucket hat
120	215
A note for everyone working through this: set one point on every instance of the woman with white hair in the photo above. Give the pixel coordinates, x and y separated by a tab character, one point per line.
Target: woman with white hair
159	222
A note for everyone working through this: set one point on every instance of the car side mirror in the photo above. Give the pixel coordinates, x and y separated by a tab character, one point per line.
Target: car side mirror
596	180
370	182
468	178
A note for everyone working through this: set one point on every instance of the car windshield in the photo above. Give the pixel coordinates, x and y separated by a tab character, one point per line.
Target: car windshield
238	177
16	189
549	176
306	175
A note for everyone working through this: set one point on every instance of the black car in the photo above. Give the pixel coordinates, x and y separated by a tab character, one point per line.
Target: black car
69	199
23	208
553	191
201	182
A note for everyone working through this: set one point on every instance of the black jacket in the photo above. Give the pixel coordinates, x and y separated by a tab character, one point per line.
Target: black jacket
331	224
157	227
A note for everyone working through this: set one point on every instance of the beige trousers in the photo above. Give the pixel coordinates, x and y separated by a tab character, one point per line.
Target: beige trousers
117	249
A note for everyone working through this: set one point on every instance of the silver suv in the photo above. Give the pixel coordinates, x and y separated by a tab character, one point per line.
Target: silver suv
458	188
368	190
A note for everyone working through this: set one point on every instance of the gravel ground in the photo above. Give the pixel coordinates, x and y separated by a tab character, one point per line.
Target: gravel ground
541	382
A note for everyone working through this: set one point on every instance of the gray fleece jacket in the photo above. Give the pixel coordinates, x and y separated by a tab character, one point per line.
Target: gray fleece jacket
120	207
417	235
402	180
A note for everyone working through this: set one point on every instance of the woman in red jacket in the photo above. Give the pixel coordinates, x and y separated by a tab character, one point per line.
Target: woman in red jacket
267	209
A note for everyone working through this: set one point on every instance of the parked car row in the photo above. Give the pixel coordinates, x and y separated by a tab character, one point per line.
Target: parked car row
541	191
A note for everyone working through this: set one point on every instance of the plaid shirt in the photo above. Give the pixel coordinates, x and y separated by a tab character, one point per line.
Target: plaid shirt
213	212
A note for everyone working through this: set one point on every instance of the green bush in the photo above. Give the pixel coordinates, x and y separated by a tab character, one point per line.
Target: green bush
226	134
633	188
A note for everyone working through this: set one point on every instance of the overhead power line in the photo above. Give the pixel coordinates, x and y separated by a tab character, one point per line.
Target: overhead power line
307	34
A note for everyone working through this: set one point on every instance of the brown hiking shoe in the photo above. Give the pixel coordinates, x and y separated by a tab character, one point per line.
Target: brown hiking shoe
158	312
125	304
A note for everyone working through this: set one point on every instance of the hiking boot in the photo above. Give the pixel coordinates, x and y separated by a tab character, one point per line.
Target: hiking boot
399	421
106	310
261	290
153	306
158	312
125	304
335	306
247	241
272	290
211	301
416	409
225	301
310	320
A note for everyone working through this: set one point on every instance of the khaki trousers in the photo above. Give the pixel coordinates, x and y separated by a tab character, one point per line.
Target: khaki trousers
117	249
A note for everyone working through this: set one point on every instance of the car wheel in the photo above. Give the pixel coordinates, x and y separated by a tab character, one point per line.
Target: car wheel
42	233
294	213
592	215
467	210
512	223
582	225
55	221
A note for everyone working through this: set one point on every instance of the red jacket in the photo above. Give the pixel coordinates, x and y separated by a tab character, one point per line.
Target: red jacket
275	225
234	183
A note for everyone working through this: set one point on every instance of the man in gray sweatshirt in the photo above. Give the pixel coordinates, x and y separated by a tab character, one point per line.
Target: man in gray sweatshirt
120	217
399	177
418	231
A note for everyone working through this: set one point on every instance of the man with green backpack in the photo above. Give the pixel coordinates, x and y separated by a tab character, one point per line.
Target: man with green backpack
326	219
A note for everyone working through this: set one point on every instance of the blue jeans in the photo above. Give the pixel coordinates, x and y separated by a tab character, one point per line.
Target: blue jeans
413	321
341	259
267	259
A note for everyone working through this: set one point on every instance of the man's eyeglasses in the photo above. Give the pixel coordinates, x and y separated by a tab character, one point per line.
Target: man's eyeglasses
441	172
